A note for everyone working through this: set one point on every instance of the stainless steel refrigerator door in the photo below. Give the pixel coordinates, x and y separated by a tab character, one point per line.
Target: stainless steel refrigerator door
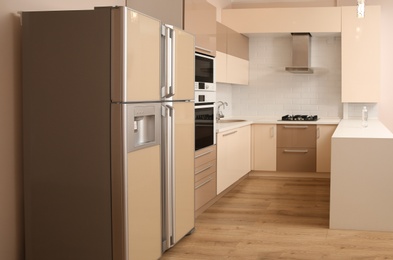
178	144
136	56
180	64
136	181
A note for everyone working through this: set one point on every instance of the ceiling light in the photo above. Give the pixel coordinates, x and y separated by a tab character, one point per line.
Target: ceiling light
361	8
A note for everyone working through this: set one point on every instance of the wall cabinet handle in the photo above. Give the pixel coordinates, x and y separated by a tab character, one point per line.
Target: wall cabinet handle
204	183
204	169
231	133
296	151
296	126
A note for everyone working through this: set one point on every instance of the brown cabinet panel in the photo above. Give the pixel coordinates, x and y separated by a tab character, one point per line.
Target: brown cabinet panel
221	37
237	44
205	190
205	169
296	136
205	155
296	160
200	20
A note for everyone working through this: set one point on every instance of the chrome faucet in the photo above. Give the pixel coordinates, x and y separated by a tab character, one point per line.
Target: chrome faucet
219	112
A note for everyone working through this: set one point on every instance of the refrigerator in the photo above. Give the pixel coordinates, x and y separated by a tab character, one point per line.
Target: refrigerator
108	134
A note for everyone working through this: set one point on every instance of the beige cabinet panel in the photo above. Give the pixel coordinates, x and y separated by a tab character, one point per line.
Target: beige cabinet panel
283	20
361	55
205	175
200	20
221	67
232	65
237	70
167	11
324	137
264	147
233	156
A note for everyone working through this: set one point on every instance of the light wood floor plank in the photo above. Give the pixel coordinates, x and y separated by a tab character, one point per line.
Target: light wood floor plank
267	217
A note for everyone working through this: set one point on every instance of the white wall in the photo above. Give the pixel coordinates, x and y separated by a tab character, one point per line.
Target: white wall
11	214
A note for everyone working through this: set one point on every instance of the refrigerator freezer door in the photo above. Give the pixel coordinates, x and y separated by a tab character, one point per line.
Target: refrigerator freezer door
179	171
136	180
136	52
180	74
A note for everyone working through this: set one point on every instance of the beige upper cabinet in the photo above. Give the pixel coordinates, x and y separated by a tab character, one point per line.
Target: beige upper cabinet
283	20
200	20
232	56
361	55
168	11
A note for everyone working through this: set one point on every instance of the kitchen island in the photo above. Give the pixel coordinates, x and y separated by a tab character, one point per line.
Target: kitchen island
361	190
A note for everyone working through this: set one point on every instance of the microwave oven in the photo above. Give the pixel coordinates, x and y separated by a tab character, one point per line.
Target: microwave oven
204	73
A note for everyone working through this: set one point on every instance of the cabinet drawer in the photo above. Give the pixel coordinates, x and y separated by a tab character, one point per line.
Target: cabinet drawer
296	136
296	160
205	190
205	155
205	169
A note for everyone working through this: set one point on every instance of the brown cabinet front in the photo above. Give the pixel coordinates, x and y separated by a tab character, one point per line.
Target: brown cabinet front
296	148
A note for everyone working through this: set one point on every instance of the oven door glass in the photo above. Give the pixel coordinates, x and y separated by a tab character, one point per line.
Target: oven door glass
204	69
204	127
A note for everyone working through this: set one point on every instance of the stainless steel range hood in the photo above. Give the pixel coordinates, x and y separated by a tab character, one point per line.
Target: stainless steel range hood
301	54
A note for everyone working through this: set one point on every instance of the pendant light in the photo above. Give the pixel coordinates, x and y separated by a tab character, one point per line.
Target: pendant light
361	8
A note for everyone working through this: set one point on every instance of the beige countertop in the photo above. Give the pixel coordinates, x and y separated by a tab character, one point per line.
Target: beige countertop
353	129
248	120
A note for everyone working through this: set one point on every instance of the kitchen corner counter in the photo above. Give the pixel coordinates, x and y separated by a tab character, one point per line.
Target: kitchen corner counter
361	177
353	129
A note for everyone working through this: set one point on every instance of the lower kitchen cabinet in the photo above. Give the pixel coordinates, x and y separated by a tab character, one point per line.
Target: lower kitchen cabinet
233	156
264	147
205	175
324	140
296	148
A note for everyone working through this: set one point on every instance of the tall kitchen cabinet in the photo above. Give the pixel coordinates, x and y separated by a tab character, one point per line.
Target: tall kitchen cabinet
233	156
200	20
264	147
361	55
232	59
167	11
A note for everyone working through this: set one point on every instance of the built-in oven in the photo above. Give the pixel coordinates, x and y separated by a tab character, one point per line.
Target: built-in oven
204	73
205	123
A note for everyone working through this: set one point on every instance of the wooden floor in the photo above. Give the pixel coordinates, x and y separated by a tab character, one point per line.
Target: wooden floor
277	218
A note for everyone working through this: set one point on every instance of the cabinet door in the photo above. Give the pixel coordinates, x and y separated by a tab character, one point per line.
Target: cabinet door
237	70
324	137
360	54
233	156
200	20
167	11
264	147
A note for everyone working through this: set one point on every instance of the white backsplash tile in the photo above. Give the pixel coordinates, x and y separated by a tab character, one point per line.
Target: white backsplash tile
274	92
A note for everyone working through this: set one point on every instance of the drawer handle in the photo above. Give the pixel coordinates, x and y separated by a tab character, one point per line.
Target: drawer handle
204	183
202	154
203	49
204	169
231	133
296	151
296	126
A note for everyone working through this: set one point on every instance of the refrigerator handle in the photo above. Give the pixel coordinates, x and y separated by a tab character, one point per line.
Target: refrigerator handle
168	92
173	62
170	176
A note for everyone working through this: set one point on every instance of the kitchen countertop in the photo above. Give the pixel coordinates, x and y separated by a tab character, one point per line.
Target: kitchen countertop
353	129
248	120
